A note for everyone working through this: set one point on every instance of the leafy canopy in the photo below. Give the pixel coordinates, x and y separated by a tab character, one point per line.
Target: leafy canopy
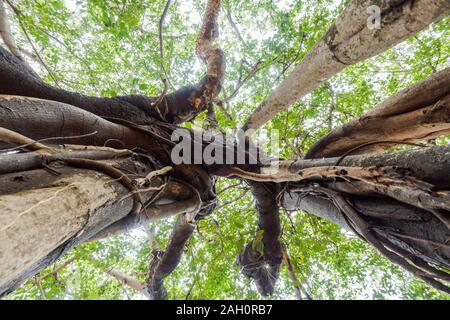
111	47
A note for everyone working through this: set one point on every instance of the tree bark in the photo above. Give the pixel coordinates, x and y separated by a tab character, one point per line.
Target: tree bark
418	113
348	41
54	195
47	215
52	202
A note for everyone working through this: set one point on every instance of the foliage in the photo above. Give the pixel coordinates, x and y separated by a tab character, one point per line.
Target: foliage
111	47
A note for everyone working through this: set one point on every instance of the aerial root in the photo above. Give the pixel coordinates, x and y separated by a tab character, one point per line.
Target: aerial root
164	262
22	141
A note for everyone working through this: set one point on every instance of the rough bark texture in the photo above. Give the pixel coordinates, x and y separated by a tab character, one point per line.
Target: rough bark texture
427	164
348	41
53	199
418	113
212	56
39	119
5	32
412	229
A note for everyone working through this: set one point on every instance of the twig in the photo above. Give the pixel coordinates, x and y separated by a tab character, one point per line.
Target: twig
19	15
239	197
59	268
235	28
253	71
37	282
190	289
229	187
165	78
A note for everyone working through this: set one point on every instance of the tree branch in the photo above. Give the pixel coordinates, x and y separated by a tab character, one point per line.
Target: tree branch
348	41
177	107
264	267
296	283
417	113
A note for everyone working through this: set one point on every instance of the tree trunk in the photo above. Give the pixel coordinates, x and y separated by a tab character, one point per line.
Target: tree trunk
54	195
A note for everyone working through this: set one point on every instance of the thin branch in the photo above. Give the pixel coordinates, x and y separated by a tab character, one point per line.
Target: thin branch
229	202
55	271
253	71
123	278
38	284
129	281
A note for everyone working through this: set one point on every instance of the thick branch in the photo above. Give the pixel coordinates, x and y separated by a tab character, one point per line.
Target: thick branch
264	268
212	56
418	113
53	119
181	105
348	41
78	204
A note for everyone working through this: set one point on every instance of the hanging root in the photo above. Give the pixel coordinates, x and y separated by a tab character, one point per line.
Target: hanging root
296	282
262	257
409	261
164	262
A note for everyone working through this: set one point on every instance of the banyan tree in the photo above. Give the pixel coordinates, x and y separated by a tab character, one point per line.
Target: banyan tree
77	168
